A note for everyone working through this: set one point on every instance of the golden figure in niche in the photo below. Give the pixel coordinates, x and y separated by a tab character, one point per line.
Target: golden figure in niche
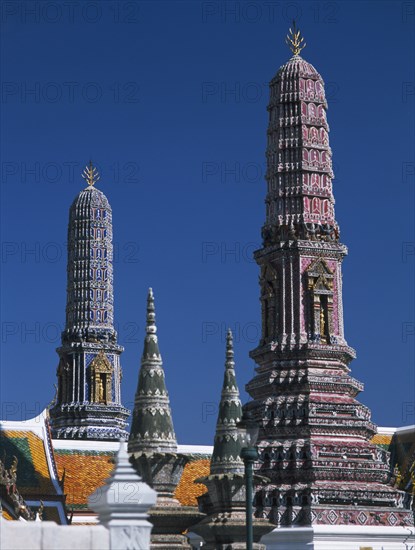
322	323
101	379
101	388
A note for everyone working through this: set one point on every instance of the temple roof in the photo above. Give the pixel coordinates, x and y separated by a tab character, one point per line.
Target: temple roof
85	470
187	491
37	476
382	440
89	463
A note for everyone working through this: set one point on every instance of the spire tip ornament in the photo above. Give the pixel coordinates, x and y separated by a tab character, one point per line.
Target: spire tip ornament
294	40
229	350
90	174
151	327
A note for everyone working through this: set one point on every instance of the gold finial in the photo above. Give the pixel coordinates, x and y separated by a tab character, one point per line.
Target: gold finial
295	41
90	174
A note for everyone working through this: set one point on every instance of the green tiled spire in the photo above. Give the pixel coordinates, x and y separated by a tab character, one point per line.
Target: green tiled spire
224	503
152	426
227	448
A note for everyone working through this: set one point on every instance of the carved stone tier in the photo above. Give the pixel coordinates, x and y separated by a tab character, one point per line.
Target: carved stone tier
101	422
224	527
162	471
169	525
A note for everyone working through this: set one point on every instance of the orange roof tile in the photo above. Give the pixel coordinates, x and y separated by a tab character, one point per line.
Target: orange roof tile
381	439
7	516
187	491
85	471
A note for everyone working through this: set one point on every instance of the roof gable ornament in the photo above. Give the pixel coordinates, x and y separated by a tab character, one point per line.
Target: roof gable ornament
101	364
319	267
294	40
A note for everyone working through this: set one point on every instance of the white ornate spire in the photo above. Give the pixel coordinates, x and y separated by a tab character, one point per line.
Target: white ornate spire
122	505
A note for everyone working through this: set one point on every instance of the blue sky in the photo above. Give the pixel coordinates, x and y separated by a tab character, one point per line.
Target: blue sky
169	100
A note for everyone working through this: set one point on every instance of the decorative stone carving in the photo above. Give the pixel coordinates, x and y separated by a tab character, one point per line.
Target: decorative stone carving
10	494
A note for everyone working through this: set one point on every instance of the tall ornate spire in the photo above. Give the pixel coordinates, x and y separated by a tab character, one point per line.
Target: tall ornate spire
90	295
314	439
227	447
299	201
152	425
88	403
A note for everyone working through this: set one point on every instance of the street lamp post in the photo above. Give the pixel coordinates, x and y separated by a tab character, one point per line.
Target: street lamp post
249	431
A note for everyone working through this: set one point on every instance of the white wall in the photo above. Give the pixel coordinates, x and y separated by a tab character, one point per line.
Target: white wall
340	537
47	535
